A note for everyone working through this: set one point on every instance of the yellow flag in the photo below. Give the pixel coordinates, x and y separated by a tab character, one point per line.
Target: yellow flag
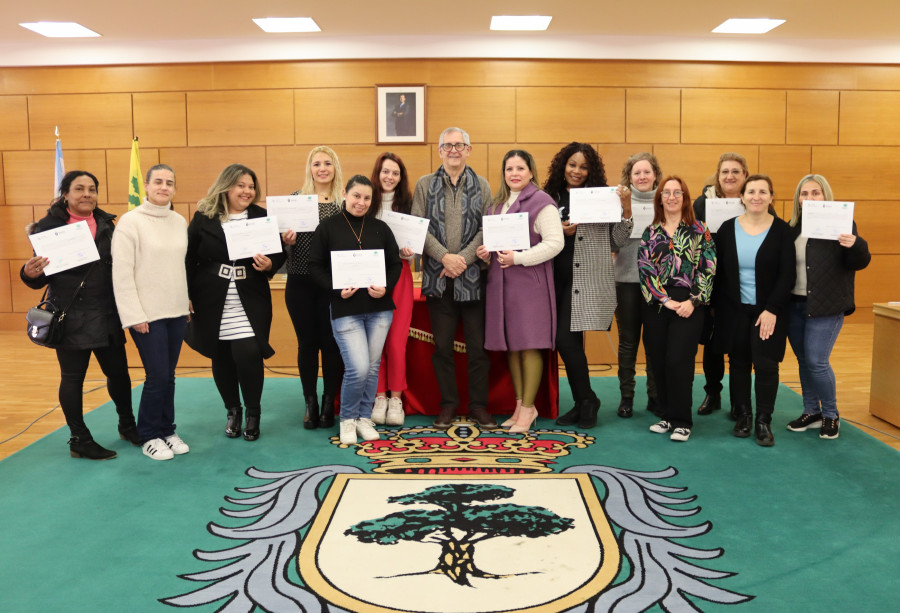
136	193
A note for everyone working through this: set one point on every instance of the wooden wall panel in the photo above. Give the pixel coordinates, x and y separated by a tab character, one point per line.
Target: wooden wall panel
196	168
786	165
878	282
812	117
653	115
13	239
877	222
286	169
160	119
696	163
3	180
360	159
851	171
732	116
227	118
551	114
334	116
614	158
22	296
118	169
6	277
488	114
870	118
86	121
29	174
14	127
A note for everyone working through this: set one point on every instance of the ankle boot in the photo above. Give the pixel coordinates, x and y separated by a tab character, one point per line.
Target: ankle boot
587	416
251	429
233	425
89	450
311	418
326	417
712	402
744	418
570	417
764	437
128	432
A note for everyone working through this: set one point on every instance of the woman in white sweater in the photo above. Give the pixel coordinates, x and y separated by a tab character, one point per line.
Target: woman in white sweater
150	284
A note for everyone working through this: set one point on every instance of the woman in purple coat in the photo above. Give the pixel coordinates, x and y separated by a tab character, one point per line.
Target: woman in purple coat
521	304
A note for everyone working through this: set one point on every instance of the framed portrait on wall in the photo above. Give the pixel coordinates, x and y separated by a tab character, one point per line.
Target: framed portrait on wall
400	113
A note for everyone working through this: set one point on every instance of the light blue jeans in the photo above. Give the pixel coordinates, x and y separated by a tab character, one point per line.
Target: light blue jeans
812	339
360	339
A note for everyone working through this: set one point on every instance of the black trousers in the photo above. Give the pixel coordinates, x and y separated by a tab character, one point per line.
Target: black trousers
629	321
73	365
445	314
238	371
746	352
671	344
308	306
570	346
713	361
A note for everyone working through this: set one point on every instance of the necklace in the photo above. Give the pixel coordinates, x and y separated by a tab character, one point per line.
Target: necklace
358	237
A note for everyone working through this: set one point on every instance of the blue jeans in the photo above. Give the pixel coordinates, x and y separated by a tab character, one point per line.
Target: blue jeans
159	349
812	339
360	339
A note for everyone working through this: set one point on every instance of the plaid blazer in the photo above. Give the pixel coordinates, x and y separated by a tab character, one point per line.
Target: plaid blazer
593	276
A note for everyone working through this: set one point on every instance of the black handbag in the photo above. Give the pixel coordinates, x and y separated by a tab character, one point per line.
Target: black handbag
46	323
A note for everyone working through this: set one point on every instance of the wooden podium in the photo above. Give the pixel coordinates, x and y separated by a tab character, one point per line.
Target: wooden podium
884	397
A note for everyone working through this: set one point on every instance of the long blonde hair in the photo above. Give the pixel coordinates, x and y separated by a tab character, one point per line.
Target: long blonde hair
215	203
337	181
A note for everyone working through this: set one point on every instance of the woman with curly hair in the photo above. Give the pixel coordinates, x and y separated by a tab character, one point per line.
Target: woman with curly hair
583	273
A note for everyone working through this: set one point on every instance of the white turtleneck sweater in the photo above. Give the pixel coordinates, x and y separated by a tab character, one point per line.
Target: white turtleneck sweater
149	277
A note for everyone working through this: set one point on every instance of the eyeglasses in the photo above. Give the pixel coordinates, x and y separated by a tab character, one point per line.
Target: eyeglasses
733	171
677	193
452	146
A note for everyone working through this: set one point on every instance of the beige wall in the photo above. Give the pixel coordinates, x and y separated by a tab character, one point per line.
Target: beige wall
838	120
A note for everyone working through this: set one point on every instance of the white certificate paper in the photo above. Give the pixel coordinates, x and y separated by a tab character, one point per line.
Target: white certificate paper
594	205
409	231
719	210
66	247
247	237
299	213
826	219
642	214
506	232
358	268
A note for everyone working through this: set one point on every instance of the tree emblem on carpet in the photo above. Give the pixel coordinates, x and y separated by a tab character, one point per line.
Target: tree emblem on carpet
490	526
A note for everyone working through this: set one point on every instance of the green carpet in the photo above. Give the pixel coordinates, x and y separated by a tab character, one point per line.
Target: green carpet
807	525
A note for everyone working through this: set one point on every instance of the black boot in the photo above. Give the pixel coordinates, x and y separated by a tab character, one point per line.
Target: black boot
626	408
311	418
587	416
712	402
570	417
326	419
251	429
744	418
128	432
764	436
89	450
233	425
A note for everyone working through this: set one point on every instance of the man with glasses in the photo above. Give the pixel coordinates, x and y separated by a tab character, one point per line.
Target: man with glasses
454	198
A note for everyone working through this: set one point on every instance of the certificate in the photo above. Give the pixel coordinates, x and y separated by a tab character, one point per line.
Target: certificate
594	205
66	247
247	237
408	231
826	219
719	210
505	232
358	268
299	213
642	213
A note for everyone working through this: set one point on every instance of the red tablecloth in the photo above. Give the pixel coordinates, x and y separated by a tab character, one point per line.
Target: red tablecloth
422	395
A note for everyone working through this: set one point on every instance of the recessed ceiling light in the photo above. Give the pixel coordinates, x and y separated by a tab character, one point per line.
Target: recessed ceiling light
59	29
287	24
747	26
520	22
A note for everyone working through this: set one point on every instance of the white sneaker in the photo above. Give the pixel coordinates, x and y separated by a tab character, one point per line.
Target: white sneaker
177	445
395	413
348	432
379	409
156	449
661	427
680	434
366	429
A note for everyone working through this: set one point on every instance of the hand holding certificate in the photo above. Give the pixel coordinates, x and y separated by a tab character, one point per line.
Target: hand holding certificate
408	231
247	237
719	210
506	232
65	247
358	268
594	205
826	219
299	213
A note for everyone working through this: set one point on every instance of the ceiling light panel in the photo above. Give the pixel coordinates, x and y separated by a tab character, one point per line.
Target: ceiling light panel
520	22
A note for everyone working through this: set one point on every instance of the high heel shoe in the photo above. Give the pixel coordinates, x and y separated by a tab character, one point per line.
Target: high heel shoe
515	416
527	418
233	424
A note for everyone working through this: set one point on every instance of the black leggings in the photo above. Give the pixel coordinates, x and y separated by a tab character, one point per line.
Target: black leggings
570	346
308	306
73	365
238	367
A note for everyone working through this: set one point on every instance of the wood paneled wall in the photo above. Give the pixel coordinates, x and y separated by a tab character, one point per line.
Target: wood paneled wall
841	121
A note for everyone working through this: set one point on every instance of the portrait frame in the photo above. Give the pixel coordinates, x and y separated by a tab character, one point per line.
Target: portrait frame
400	114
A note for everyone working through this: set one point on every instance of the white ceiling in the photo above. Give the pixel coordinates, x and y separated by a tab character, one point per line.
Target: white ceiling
162	31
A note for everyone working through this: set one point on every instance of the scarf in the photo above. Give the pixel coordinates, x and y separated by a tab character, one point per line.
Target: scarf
466	287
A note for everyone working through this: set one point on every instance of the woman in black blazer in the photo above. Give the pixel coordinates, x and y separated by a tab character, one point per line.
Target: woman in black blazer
755	275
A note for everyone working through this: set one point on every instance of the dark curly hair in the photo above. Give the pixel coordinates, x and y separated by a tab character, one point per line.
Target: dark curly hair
556	175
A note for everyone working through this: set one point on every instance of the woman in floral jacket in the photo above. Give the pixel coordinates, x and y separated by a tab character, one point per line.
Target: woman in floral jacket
676	266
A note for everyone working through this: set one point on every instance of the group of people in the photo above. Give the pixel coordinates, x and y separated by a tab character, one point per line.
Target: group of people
742	292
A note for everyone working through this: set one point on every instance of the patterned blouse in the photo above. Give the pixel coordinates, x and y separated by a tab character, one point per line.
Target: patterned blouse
687	259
